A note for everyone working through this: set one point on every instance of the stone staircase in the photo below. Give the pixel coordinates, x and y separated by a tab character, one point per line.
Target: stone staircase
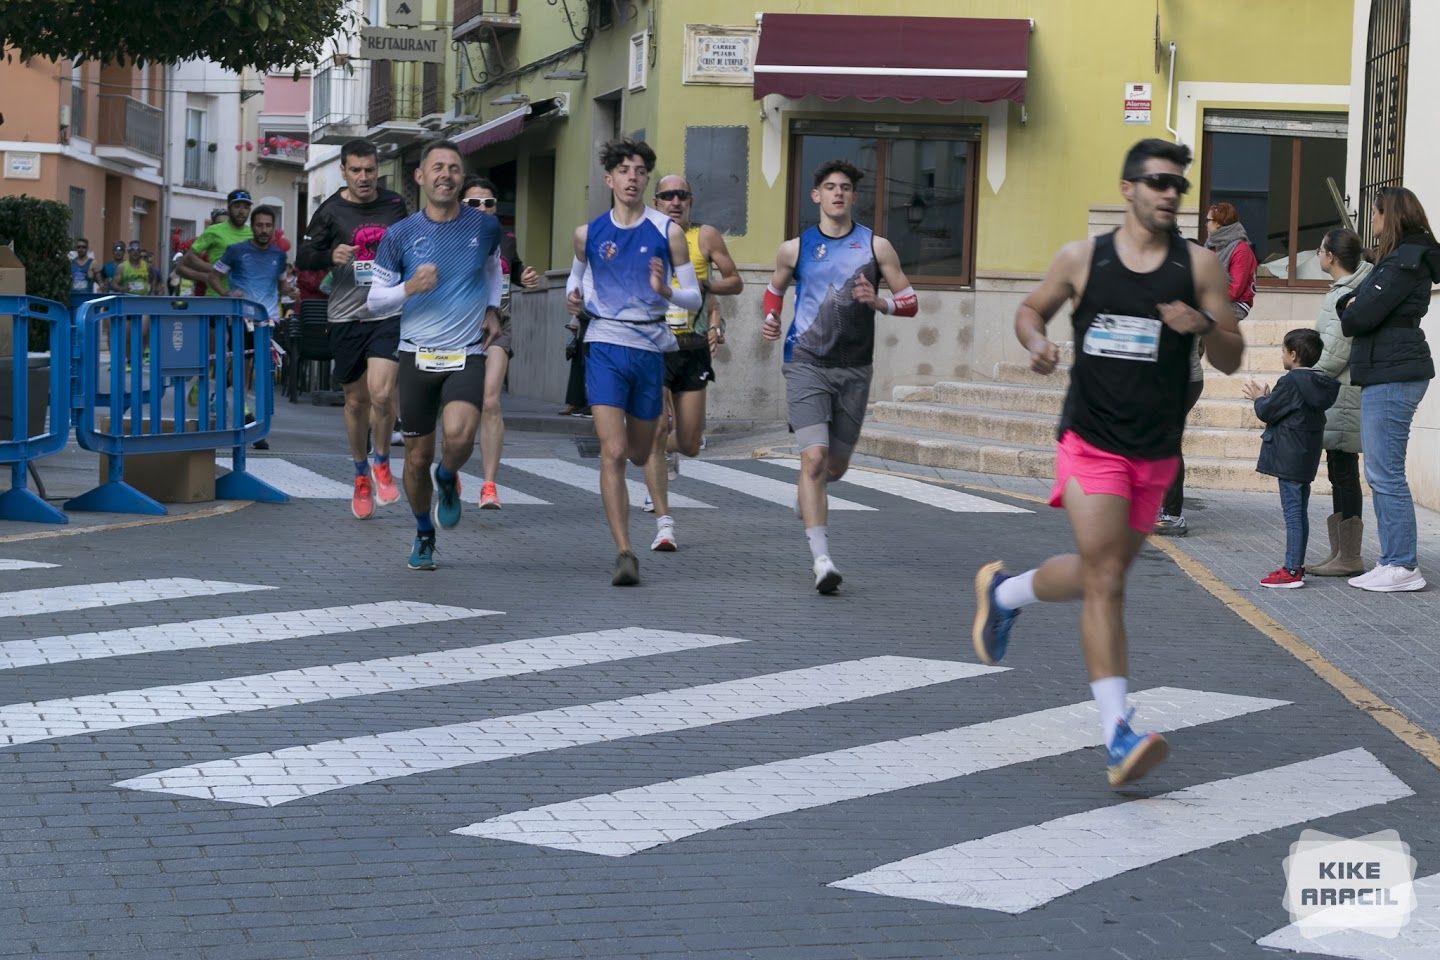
1006	425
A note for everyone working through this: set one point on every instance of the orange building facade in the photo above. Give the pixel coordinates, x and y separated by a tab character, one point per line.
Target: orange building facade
90	136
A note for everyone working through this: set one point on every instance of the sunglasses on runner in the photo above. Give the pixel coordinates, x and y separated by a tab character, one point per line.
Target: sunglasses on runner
1160	182
486	202
673	195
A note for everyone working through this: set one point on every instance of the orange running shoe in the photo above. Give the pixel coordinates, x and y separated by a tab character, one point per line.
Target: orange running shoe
385	490
489	496
362	503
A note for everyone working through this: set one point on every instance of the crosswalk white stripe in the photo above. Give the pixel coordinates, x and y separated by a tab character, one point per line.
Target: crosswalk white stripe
628	821
470	484
84	596
585	478
1018	870
270	779
120	710
755	485
222	631
291	479
26	565
921	492
1418	940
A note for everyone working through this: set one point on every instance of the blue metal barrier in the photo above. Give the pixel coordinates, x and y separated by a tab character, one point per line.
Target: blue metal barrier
20	503
187	367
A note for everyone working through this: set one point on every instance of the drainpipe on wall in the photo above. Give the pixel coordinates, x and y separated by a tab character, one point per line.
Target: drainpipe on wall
166	172
1170	96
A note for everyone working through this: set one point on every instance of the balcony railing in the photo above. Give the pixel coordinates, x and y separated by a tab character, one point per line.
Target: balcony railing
131	124
472	15
338	96
200	165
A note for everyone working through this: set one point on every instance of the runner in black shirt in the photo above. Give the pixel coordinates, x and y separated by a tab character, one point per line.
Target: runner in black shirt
342	237
1140	295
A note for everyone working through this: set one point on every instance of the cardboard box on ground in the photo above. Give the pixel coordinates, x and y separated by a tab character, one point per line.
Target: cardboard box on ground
187	477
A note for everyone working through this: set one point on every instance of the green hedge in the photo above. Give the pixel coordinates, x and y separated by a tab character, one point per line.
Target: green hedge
39	230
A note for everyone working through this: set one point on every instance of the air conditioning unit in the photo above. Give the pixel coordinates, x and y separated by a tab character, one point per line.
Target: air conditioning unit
64	114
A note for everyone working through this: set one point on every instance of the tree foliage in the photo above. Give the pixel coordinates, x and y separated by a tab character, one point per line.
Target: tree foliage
236	34
40	232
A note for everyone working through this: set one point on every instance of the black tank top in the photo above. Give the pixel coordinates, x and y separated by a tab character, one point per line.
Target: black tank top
1131	371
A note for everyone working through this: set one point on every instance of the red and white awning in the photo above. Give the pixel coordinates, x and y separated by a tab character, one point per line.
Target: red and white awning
504	127
943	59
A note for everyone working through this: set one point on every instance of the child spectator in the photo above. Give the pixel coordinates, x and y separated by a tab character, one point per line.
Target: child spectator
1294	417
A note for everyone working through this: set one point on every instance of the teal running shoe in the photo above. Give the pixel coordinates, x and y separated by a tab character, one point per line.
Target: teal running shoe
422	554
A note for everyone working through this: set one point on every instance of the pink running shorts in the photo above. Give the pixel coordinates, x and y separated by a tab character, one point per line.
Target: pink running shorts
1142	482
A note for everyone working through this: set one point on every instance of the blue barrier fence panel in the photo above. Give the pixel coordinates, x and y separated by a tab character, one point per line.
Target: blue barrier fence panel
22	445
189	350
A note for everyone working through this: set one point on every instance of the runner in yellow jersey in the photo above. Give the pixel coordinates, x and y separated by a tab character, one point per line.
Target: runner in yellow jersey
688	371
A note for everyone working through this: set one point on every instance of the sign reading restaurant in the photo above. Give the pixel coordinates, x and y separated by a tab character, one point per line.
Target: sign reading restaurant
423	46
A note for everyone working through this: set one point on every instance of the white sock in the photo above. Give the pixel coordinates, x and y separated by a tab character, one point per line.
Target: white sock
665	521
1109	695
1017	592
819	538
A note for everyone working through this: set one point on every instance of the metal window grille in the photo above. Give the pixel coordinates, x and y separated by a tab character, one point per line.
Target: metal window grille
1387	69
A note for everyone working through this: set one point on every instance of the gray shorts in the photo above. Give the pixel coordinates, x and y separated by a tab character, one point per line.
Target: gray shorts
826	405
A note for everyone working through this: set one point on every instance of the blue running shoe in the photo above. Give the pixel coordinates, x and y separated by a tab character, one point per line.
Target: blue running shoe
991	633
422	554
1131	755
445	510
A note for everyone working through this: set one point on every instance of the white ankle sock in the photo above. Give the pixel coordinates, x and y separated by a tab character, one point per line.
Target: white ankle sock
819	538
665	521
1109	693
1017	592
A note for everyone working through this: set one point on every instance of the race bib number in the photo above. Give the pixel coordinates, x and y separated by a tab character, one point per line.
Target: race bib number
136	286
364	273
505	285
439	361
1124	338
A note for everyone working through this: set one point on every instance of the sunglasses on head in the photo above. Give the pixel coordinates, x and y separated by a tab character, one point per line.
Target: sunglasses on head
1161	182
673	195
486	202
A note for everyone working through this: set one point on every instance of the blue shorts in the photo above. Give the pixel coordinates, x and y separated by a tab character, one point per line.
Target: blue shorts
625	377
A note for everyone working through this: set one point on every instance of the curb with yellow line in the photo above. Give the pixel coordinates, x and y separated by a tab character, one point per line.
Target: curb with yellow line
219	510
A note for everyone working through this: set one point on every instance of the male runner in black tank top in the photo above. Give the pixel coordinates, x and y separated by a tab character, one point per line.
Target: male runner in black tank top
1140	296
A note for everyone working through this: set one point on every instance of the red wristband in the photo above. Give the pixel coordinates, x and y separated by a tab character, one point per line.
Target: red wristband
773	302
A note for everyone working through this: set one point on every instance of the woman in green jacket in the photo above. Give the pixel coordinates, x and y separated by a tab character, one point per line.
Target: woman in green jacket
1341	256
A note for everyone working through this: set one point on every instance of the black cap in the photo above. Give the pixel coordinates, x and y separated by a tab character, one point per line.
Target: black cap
238	196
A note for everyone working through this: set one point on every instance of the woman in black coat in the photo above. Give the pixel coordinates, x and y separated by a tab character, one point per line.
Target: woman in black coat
1390	362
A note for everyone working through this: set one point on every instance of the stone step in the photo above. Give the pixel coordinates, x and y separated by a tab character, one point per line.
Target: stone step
928	448
1218	386
1038	430
1235	414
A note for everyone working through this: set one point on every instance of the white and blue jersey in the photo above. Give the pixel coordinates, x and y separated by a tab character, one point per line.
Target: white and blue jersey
832	329
449	316
616	286
255	272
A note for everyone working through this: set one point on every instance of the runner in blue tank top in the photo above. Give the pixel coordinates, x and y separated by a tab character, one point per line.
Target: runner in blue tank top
1140	296
620	277
440	268
836	265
